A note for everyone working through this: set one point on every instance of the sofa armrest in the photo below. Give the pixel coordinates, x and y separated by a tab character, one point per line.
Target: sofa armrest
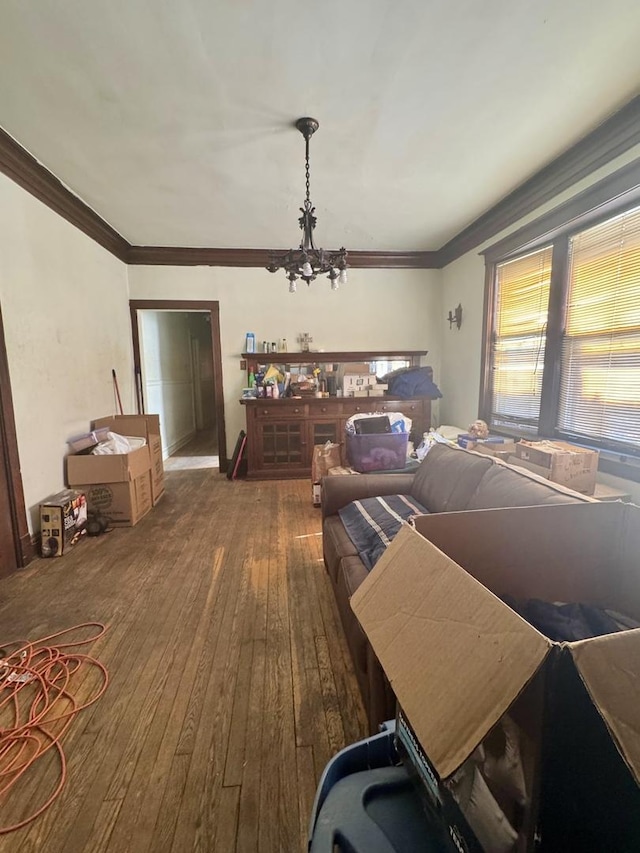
337	492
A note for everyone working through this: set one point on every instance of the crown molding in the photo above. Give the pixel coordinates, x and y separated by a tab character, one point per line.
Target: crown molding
182	256
32	176
610	139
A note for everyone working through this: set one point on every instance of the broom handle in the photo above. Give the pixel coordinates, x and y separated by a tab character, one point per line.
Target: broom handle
115	383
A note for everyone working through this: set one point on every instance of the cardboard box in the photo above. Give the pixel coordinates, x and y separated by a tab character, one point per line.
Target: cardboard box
561	462
500	451
353	382
116	485
358	367
144	426
458	658
62	520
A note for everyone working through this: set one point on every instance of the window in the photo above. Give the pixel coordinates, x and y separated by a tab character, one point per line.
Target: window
564	346
520	323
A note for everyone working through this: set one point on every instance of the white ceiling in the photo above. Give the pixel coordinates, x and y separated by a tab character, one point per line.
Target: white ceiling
173	119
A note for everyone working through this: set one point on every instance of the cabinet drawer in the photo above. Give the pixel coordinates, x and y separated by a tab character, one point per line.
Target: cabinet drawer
326	408
358	405
279	411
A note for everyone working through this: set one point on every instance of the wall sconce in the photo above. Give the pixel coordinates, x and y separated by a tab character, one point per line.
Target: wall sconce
455	316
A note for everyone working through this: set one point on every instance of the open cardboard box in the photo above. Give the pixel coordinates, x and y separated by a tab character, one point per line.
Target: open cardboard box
117	485
458	659
142	426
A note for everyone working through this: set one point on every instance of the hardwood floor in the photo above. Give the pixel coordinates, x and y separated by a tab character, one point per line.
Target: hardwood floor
231	684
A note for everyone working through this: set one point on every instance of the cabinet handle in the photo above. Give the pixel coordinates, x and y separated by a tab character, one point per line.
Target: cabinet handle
265	411
383	408
357	408
323	409
296	410
412	408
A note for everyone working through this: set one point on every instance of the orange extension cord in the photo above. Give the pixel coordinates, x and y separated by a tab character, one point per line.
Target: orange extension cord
37	703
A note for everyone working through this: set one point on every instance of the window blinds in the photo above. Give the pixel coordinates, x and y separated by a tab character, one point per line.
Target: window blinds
520	321
600	362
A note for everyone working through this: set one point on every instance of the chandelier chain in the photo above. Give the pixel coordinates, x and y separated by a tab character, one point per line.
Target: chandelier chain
307	174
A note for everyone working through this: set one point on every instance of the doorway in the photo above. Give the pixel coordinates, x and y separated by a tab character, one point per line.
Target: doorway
178	366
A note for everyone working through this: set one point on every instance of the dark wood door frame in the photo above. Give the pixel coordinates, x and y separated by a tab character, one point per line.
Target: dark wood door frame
213	308
23	549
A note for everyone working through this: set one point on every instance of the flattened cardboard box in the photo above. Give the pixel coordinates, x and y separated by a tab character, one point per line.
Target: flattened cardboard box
458	657
144	426
116	485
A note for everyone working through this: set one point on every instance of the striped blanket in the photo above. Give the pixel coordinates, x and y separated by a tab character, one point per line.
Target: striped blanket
373	522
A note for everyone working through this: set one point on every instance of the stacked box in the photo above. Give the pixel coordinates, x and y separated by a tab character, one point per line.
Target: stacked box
117	485
147	427
357	384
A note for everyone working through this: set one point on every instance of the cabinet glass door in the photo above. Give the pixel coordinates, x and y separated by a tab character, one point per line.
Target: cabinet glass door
282	443
324	431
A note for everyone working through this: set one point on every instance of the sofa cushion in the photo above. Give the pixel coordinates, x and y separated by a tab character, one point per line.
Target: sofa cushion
371	523
351	573
503	486
448	477
335	545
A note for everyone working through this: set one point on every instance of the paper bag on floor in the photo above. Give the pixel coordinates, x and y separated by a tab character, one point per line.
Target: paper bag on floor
325	457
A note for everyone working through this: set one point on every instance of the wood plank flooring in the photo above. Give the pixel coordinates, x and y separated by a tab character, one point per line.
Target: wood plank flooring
231	684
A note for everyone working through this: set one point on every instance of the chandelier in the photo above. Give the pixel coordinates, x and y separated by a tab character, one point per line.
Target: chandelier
307	262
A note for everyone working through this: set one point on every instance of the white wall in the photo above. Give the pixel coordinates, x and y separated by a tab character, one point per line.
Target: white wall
66	322
377	309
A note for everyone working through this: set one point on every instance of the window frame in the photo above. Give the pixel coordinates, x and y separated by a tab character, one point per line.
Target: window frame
611	197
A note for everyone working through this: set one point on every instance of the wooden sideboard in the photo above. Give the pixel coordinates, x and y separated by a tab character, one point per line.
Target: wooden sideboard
281	433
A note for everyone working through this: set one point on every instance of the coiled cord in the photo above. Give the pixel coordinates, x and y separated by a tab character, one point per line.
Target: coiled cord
37	705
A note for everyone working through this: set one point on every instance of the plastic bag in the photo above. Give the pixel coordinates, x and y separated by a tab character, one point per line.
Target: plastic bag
398	421
115	443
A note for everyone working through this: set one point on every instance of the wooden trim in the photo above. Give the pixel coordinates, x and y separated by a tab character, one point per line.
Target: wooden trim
486	384
183	256
213	308
393	260
309	357
216	349
613	137
32	176
11	460
29	547
603	199
556	316
619	469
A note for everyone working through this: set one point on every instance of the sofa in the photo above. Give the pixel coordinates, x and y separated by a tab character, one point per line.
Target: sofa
449	479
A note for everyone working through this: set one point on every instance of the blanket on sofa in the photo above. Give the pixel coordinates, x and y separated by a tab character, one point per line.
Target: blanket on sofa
371	523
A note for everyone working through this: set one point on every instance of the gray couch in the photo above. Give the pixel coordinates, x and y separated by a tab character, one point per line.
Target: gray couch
448	480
